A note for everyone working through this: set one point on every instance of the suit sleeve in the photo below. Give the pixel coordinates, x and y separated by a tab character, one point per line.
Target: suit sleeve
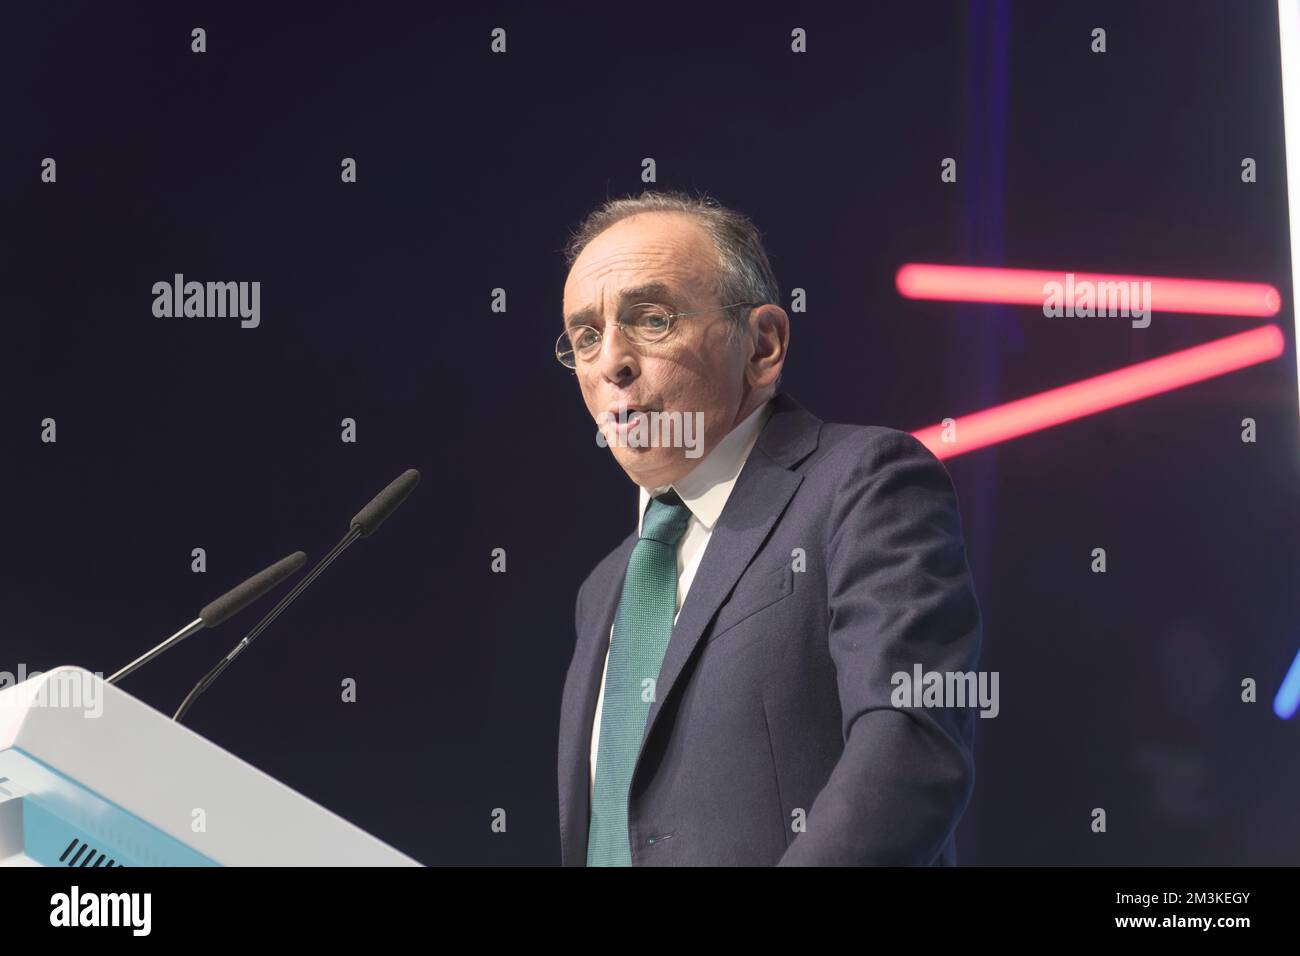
577	614
899	594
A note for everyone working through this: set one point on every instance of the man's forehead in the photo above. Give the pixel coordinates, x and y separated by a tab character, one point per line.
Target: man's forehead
665	266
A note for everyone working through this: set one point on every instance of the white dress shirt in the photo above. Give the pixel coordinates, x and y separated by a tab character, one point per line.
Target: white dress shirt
704	490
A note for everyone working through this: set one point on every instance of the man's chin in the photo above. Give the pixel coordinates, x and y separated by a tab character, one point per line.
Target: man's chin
651	467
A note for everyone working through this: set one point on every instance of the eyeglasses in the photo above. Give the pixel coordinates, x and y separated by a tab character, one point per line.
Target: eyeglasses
642	324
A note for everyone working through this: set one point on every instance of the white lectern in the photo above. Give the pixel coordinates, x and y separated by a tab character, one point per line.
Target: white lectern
90	776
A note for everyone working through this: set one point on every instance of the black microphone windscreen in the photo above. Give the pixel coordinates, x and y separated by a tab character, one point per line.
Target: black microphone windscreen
239	597
385	503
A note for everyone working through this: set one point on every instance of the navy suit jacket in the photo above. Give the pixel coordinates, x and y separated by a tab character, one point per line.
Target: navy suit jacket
772	738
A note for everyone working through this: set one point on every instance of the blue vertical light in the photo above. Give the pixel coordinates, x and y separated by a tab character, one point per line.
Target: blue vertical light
985	331
1287	699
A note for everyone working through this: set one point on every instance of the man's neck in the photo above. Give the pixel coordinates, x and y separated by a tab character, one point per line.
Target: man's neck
659	487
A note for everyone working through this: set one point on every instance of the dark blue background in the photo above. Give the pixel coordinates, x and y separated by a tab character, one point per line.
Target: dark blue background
1118	690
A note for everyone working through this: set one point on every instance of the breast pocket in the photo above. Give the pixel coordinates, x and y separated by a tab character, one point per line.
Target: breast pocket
756	591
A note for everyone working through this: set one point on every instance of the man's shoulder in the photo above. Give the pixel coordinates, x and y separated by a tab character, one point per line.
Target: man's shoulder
856	448
856	465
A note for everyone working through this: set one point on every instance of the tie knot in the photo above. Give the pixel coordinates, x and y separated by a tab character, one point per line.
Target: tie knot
666	519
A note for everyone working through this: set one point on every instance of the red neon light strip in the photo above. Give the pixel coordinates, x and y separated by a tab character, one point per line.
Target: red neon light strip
1025	287
1092	395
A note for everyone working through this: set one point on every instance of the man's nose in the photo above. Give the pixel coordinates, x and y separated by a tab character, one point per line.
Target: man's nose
618	359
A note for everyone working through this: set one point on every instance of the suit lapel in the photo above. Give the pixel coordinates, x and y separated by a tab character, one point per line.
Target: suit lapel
762	490
578	708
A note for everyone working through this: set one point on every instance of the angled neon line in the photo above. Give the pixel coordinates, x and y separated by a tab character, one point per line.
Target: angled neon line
1091	395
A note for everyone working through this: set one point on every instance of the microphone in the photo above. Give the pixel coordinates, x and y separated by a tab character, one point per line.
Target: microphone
364	523
228	605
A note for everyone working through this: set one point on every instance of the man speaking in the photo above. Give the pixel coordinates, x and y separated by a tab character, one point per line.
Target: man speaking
730	697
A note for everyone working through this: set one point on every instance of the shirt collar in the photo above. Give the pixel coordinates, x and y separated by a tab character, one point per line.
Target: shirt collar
706	487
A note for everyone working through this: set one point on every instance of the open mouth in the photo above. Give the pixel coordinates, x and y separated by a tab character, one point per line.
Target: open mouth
624	417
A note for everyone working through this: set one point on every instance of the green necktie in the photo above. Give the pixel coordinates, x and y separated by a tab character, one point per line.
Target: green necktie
642	627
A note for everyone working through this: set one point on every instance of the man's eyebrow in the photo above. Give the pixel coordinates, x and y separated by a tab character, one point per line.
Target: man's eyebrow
659	293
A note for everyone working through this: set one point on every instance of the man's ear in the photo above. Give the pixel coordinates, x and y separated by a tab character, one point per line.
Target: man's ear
769	333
